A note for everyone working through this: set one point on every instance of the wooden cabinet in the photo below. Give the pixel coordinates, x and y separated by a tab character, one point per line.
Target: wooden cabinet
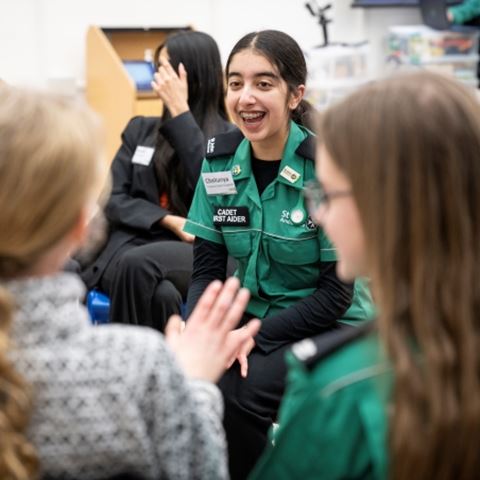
110	90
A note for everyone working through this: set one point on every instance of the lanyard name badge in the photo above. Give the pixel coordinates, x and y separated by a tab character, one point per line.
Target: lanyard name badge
219	183
143	155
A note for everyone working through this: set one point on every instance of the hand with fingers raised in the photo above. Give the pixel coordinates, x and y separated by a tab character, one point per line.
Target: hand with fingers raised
172	88
205	346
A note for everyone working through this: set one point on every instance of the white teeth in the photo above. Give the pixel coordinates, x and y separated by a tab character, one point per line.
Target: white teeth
250	116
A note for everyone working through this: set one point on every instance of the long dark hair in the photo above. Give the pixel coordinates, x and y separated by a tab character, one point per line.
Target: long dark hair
410	146
200	56
285	53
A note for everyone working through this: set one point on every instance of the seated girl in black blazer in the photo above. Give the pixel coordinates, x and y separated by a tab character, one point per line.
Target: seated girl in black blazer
146	265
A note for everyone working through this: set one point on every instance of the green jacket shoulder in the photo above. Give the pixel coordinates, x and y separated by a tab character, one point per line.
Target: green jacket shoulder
332	419
224	144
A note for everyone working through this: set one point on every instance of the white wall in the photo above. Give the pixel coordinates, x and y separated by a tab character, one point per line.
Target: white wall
233	18
51	33
21	41
42	41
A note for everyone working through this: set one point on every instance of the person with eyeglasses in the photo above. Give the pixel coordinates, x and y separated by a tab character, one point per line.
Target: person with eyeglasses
317	197
398	399
249	204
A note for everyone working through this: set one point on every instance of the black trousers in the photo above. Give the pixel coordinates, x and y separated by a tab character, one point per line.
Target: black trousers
251	406
147	282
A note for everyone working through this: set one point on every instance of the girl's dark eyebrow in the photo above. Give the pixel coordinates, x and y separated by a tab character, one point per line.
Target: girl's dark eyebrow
259	74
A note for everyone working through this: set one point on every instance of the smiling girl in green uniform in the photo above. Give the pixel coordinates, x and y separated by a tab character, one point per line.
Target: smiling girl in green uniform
400	201
249	204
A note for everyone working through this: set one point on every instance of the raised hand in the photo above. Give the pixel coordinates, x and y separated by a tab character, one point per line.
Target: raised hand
205	345
172	88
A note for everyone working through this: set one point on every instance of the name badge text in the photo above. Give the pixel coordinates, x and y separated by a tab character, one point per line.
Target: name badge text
219	183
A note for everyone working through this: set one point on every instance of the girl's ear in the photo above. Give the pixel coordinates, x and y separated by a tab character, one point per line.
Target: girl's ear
296	97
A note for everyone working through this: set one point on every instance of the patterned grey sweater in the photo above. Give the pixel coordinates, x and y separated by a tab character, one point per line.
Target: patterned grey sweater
109	399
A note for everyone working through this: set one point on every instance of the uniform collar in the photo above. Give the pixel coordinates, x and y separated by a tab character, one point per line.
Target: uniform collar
292	158
243	160
300	145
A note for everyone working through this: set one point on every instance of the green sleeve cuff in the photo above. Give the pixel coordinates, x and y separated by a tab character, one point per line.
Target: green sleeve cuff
203	231
466	11
328	252
328	255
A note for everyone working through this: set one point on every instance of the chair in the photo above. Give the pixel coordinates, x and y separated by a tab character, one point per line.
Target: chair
98	306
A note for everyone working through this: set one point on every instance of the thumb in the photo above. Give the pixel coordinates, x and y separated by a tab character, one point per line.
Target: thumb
173	327
251	328
188	237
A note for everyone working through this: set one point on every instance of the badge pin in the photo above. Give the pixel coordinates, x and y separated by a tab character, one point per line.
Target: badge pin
290	174
310	224
236	170
297	216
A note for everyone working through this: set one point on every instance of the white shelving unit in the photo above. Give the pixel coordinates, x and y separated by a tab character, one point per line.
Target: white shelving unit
451	53
335	71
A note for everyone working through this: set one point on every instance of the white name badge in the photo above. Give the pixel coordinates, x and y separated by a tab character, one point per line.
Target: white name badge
219	183
290	174
143	155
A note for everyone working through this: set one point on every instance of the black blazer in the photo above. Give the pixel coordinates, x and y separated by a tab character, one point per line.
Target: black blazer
133	209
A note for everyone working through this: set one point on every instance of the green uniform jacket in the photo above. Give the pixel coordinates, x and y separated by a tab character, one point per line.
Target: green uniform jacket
277	247
466	11
332	421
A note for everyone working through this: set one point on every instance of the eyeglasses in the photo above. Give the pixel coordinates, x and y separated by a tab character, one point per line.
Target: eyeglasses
316	197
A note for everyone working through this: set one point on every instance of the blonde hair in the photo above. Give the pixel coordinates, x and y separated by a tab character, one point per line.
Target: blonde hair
49	169
410	146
